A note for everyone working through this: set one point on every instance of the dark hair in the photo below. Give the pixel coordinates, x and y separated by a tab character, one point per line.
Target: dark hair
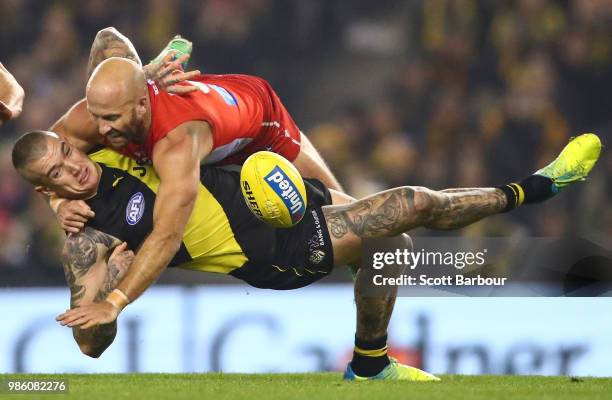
29	147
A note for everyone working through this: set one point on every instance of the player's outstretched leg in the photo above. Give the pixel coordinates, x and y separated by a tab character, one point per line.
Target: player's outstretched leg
398	210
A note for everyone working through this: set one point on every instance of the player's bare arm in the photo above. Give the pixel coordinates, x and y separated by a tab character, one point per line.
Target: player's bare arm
11	96
176	161
91	275
78	127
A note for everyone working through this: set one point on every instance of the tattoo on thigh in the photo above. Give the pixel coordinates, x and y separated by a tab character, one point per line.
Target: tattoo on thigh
379	215
337	225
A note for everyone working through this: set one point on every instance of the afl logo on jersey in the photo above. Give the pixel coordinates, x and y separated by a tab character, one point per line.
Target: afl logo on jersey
135	209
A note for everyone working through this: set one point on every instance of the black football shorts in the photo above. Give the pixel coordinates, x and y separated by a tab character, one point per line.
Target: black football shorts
301	255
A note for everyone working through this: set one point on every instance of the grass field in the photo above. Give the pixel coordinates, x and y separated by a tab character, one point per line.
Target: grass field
317	386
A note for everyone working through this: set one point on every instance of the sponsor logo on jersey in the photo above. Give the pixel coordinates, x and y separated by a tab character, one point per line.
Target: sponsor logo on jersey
135	208
286	190
316	256
317	241
250	199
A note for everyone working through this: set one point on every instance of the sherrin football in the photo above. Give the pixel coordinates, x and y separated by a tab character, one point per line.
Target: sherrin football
273	189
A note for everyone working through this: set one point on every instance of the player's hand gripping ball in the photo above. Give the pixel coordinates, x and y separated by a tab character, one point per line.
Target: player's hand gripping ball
273	189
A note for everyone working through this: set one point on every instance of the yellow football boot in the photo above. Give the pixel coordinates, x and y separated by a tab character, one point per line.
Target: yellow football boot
574	163
393	372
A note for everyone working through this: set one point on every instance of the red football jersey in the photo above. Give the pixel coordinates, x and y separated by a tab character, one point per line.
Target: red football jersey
244	113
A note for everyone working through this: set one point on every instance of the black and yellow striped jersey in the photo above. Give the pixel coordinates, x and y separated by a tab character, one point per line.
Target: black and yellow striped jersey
221	230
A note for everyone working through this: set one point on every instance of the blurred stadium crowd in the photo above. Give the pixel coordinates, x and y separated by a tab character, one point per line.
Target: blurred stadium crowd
437	93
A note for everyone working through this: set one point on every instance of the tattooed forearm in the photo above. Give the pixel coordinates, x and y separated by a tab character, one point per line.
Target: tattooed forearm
95	340
116	269
110	281
81	252
76	291
394	211
99	338
109	42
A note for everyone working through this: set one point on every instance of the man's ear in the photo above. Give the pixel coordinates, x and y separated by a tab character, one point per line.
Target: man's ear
46	191
142	105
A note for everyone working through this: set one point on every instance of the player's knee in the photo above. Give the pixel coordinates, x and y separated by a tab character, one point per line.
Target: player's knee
407	242
401	242
423	199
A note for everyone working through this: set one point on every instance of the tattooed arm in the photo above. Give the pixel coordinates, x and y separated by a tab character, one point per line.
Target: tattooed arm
91	274
109	42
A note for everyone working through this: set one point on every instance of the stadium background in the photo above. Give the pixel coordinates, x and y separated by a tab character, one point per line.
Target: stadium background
435	93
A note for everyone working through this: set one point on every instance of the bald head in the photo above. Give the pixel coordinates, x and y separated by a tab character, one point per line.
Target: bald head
116	81
117	99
